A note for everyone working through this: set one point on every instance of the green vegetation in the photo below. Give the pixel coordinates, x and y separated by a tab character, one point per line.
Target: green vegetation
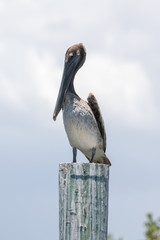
152	229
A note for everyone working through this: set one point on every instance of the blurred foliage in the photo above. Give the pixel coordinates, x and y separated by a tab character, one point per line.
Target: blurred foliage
152	231
152	228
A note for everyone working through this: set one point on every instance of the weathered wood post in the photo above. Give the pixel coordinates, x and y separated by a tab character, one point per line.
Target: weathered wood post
83	201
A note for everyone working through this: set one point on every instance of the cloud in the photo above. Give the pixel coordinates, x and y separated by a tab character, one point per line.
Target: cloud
124	89
11	93
1	5
46	75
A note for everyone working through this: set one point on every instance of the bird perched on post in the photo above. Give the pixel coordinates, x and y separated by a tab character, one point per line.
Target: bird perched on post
83	121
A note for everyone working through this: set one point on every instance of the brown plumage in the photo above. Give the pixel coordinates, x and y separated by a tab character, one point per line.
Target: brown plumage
92	102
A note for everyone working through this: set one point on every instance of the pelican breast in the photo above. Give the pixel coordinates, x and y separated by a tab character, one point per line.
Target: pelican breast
80	124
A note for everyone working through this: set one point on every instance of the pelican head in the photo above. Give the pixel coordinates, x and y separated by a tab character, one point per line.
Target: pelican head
74	59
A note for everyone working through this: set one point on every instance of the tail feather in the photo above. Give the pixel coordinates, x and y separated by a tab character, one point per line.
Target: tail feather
102	160
106	161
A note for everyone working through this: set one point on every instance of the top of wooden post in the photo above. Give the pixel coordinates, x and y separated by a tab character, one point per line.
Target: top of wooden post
86	169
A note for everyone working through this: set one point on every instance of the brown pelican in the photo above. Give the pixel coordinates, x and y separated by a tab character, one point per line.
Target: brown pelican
83	121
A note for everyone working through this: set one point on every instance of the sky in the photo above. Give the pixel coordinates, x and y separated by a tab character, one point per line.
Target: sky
121	69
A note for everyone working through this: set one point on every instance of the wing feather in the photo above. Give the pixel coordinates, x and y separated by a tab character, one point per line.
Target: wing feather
92	101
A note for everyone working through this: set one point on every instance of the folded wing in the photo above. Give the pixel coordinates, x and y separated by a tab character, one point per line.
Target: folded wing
92	101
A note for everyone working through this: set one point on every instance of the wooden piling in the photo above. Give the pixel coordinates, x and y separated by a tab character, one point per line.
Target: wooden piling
83	201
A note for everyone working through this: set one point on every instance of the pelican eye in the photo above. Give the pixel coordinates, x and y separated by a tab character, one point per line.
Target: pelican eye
71	55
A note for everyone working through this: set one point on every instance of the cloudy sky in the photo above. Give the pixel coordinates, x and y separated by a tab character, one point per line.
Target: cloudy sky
122	70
